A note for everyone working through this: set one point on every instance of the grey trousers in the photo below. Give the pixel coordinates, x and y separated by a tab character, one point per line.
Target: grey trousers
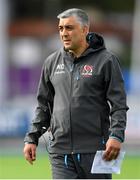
74	166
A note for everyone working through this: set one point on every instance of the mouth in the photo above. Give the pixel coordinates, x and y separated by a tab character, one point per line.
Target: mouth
66	41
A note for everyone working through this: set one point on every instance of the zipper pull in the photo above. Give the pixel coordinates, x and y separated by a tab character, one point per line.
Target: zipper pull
71	68
78	74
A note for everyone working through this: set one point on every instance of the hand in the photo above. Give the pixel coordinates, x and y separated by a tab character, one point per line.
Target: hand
30	152
113	147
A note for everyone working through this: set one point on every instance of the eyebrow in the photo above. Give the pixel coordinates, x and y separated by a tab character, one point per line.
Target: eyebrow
69	25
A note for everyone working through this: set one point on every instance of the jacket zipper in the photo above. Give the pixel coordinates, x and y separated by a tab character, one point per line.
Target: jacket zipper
71	137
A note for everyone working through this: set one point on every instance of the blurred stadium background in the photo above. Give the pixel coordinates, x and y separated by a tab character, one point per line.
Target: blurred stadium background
28	33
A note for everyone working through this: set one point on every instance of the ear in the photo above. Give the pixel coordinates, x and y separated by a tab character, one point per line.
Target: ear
86	30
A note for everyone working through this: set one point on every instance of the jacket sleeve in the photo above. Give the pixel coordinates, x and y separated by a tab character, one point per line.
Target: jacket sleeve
41	122
116	97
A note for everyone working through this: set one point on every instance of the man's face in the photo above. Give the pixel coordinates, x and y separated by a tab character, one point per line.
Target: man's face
72	33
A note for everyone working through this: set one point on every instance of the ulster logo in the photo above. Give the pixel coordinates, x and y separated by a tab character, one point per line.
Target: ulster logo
87	71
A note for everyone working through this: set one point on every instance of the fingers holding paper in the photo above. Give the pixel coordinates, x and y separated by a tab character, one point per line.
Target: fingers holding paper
112	150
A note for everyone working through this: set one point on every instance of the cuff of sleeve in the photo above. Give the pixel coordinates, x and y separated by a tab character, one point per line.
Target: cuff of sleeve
113	137
29	143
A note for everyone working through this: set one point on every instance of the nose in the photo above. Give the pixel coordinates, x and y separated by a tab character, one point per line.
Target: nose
64	32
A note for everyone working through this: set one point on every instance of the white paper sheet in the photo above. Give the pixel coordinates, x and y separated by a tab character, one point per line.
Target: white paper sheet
101	166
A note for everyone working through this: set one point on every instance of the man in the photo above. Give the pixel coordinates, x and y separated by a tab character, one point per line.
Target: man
81	102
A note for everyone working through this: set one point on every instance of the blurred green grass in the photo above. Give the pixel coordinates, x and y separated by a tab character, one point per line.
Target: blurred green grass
15	167
130	168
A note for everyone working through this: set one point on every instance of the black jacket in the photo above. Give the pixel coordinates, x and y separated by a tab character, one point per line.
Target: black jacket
81	100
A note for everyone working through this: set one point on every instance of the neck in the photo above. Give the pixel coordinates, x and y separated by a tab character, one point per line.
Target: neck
77	53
